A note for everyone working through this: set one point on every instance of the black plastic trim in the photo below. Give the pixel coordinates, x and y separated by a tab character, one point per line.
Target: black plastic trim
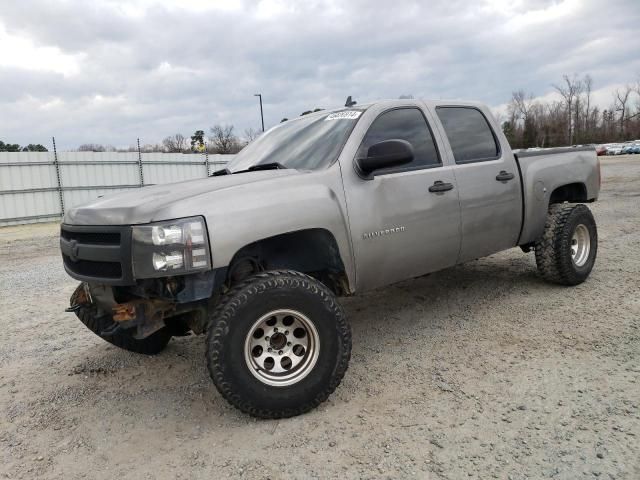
522	199
113	259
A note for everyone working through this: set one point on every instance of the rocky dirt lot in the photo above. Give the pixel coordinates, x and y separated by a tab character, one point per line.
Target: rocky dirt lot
481	371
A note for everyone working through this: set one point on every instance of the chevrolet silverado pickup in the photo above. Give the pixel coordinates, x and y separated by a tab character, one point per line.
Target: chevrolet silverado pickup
327	205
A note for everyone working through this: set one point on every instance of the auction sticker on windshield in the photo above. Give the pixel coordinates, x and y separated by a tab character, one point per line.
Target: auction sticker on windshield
347	114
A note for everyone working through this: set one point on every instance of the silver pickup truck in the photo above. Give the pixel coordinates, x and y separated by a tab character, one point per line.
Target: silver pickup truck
330	204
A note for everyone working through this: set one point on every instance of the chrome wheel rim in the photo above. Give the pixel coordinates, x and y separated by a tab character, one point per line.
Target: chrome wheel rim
580	245
281	348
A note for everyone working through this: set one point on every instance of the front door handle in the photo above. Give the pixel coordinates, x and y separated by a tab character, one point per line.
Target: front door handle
504	176
439	186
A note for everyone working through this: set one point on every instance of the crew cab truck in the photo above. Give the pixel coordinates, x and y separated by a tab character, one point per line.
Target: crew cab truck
329	204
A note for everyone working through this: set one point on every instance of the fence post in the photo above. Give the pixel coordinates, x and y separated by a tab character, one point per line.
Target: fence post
140	165
58	176
206	159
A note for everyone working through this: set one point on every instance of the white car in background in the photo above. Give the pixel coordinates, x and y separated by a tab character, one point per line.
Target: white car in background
614	149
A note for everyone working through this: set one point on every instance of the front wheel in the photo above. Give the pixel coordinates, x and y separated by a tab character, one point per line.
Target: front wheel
278	344
566	251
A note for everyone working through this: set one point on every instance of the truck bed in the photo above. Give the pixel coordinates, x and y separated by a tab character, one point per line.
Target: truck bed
543	175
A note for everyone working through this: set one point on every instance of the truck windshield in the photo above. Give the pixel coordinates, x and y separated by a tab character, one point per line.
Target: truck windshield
310	142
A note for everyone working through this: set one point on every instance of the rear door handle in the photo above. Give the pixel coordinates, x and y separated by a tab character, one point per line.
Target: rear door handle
439	186
504	176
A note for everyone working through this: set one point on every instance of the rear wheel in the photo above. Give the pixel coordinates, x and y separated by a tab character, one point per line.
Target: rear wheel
566	251
278	344
154	343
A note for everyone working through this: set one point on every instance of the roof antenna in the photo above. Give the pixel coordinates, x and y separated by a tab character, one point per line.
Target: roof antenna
349	102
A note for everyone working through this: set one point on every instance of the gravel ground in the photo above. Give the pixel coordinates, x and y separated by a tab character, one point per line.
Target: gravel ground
481	371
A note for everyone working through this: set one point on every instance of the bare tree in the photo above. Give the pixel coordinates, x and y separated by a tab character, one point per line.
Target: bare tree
569	92
549	124
522	104
175	143
223	139
91	147
556	123
621	99
523	107
250	135
152	148
609	122
577	110
587	82
630	116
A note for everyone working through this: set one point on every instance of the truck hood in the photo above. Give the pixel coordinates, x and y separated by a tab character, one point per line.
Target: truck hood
162	202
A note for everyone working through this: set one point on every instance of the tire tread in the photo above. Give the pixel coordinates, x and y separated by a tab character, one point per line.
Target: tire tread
219	326
548	248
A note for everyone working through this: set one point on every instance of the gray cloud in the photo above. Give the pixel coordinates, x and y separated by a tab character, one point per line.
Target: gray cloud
165	69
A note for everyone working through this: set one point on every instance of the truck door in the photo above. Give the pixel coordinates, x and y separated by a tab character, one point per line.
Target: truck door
405	221
488	181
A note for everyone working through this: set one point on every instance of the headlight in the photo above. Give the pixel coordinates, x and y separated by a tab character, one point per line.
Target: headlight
168	248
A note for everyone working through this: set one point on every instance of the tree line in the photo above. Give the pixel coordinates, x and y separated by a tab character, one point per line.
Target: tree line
572	118
220	139
15	147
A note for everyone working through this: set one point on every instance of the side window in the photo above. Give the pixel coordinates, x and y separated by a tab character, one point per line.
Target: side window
404	124
470	136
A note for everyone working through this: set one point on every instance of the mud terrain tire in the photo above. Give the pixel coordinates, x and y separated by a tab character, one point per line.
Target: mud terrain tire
235	331
566	251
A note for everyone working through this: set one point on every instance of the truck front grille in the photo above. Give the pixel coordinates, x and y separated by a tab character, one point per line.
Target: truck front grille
97	254
108	270
96	238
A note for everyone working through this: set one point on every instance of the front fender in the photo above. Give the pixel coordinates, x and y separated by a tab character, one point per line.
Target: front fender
306	201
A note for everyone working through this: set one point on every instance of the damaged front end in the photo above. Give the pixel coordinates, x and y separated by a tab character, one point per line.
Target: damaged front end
177	303
140	279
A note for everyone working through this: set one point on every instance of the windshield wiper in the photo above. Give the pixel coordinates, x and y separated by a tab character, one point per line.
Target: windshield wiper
266	166
255	168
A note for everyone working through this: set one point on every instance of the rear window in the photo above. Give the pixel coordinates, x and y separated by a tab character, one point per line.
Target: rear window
469	133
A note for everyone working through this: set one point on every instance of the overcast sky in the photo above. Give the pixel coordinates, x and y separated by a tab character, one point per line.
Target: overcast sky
108	71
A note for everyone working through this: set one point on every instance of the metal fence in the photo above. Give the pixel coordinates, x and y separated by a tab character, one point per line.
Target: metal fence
39	186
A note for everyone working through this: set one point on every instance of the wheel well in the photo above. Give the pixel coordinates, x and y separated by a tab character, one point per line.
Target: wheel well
572	192
312	251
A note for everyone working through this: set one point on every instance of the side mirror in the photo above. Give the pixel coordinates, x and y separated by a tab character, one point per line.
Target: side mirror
386	154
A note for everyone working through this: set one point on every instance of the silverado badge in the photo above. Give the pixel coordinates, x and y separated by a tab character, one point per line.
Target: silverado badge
380	233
